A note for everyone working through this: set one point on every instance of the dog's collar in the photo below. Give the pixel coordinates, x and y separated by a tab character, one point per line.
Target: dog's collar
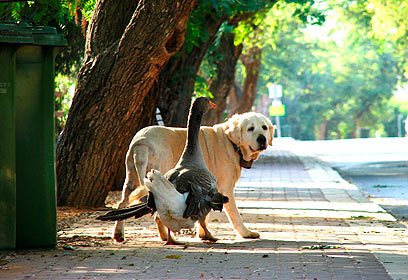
242	162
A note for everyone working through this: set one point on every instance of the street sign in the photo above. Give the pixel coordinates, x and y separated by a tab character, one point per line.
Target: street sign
275	91
277	110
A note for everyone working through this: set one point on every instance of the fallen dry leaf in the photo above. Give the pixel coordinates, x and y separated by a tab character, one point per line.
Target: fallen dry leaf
172	257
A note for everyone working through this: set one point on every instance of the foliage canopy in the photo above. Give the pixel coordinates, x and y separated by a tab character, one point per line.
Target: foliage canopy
337	79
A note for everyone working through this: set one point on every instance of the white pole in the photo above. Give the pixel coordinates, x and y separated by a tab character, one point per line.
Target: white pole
400	116
278	127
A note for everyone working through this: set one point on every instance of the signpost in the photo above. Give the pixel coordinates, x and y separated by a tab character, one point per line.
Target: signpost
277	109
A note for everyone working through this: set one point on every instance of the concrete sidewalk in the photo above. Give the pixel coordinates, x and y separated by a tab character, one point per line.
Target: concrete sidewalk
313	225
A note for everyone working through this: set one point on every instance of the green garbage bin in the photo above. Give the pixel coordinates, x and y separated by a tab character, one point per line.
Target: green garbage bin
27	150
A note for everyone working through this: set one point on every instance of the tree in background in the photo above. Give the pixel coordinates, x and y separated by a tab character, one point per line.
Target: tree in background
246	33
367	71
334	83
178	79
387	23
289	60
220	65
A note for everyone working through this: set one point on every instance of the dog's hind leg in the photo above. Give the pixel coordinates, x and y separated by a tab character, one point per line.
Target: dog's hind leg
163	232
136	164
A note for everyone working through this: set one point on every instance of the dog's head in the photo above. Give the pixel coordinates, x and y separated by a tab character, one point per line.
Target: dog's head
251	132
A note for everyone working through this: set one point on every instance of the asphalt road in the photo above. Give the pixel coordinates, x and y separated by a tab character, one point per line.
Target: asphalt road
378	166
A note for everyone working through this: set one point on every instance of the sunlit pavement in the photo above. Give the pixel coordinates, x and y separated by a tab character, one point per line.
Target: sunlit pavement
378	166
313	225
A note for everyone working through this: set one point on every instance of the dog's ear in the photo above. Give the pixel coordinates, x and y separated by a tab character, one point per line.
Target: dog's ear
271	131
233	129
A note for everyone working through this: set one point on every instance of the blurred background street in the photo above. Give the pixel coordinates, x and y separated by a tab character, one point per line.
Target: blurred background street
378	166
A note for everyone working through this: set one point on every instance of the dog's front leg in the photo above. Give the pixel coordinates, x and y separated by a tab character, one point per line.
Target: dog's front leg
234	216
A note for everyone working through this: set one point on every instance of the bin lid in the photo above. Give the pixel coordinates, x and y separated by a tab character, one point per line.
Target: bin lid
23	33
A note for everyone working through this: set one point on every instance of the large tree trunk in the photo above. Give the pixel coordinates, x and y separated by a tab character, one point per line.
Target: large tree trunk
224	77
323	130
234	96
128	43
176	81
252	63
356	132
146	119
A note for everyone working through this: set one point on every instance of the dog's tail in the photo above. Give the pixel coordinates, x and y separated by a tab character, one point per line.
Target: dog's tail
137	211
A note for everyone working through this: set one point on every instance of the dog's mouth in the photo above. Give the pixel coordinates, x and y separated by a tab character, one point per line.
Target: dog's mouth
261	148
252	149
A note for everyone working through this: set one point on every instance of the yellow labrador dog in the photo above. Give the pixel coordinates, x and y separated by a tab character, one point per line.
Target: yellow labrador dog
227	147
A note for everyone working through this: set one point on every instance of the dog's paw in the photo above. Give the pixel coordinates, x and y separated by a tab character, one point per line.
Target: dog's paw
209	238
118	236
251	235
118	233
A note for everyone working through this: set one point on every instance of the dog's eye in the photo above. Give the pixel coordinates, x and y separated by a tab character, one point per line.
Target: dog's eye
251	128
264	127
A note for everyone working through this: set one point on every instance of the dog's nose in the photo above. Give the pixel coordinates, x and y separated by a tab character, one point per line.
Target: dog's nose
261	142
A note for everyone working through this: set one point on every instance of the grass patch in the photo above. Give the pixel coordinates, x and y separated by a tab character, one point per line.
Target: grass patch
382	186
321	247
361	217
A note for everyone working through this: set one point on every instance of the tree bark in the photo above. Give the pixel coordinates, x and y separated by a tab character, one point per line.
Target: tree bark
252	63
224	78
323	130
128	44
234	97
176	81
356	132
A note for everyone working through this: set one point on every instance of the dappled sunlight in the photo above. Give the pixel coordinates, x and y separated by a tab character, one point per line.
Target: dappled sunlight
310	205
288	244
267	182
326	209
320	213
285	244
389	201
